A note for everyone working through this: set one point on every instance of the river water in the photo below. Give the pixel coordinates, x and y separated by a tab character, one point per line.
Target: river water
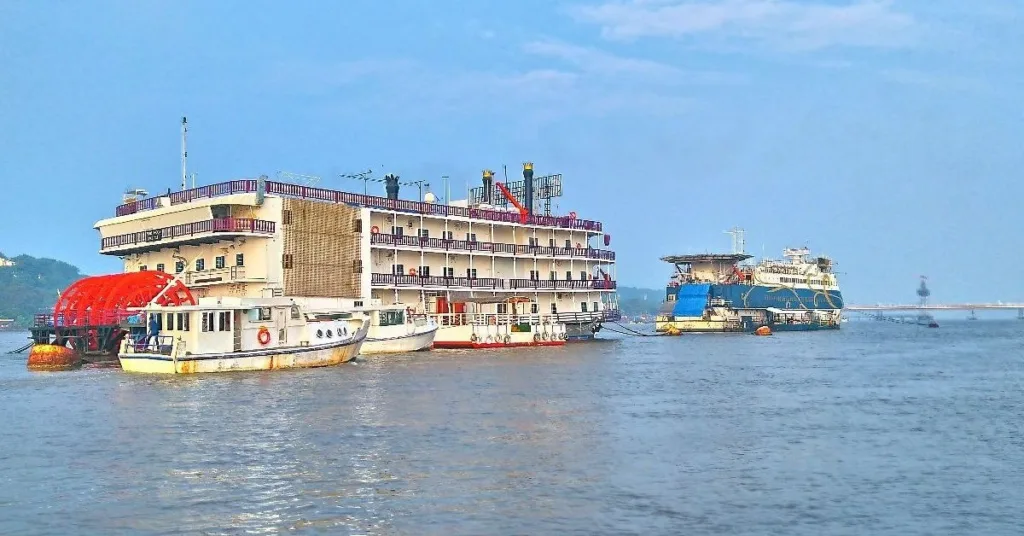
875	429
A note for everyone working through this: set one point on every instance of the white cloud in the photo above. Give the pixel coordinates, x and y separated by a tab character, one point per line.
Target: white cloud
780	23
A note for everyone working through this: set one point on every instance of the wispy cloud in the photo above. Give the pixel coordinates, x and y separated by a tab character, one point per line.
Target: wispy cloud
779	23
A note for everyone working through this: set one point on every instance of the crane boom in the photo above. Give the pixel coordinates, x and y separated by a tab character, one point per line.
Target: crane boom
512	199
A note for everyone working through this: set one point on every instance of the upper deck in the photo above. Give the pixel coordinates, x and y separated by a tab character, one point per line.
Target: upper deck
296	191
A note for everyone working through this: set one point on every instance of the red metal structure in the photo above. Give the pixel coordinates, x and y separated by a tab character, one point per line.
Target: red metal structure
89	314
105	299
523	213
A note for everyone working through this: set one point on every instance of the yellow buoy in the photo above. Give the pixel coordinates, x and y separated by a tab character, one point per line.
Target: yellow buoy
763	331
52	357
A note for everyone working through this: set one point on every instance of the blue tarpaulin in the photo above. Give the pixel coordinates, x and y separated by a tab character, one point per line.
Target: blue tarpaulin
691	300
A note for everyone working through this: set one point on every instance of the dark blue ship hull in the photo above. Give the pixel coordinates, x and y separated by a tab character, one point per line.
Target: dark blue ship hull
691	299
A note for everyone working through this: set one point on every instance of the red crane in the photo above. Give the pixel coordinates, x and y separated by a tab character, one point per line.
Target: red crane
523	213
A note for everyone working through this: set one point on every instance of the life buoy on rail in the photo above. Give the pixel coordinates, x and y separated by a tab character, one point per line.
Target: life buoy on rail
578	246
473	338
374	229
412	271
507	338
536	337
263	336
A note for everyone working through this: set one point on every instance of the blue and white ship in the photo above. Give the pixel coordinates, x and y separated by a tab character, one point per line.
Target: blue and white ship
722	292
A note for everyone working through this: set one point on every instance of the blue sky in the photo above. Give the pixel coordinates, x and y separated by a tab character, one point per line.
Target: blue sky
886	134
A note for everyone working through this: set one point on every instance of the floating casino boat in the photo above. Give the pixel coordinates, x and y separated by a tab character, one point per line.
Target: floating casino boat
465	264
396	329
716	293
239	334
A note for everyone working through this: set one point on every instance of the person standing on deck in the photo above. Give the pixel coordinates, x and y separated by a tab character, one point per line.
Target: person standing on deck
154	330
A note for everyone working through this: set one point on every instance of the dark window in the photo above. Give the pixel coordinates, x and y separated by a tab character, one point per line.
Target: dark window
200	265
397	231
225	321
142	268
170	321
554	308
179	267
424	233
534	275
552	275
359	225
287	261
551	242
207	321
534	309
397	269
533	241
584	306
239	259
449	272
160	267
392	318
470	237
502	308
264	313
568	244
286	217
219	262
183	321
424	271
583	275
568	276
447	235
471	273
357	266
595	307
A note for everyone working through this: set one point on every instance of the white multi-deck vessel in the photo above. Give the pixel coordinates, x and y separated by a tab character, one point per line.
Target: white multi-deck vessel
485	273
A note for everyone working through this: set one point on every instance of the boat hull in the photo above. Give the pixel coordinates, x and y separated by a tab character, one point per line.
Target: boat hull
712	326
498	336
413	342
271	359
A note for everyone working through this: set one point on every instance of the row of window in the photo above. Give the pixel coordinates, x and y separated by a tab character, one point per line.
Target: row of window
535	308
799	280
179	266
168	320
424	271
470	237
217	321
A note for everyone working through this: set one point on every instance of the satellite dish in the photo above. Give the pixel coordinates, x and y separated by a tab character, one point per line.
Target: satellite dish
429	197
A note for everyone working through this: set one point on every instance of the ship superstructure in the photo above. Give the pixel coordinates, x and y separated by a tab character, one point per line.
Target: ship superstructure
488	273
722	292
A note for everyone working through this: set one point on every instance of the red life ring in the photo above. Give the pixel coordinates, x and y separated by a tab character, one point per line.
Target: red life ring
263	337
412	271
374	229
578	246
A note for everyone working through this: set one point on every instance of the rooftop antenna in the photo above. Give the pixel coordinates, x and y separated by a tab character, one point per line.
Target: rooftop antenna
298	178
739	244
184	153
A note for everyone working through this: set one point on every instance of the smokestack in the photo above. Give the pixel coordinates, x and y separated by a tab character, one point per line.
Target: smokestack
391	185
488	186
528	187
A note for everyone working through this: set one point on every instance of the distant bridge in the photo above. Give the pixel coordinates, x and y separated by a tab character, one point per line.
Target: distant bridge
937	307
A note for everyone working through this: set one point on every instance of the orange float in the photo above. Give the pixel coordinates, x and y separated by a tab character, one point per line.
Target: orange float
51	357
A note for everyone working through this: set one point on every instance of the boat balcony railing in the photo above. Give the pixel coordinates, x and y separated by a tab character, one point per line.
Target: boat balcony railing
489	247
188	230
489	282
161	344
334	196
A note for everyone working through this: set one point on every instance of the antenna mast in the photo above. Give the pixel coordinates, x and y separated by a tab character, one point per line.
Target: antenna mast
184	153
739	243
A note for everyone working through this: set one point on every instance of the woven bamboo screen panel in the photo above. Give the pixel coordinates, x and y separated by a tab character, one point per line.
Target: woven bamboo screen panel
321	249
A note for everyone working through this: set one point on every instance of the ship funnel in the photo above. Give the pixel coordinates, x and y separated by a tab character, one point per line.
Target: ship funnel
488	186
391	185
528	187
